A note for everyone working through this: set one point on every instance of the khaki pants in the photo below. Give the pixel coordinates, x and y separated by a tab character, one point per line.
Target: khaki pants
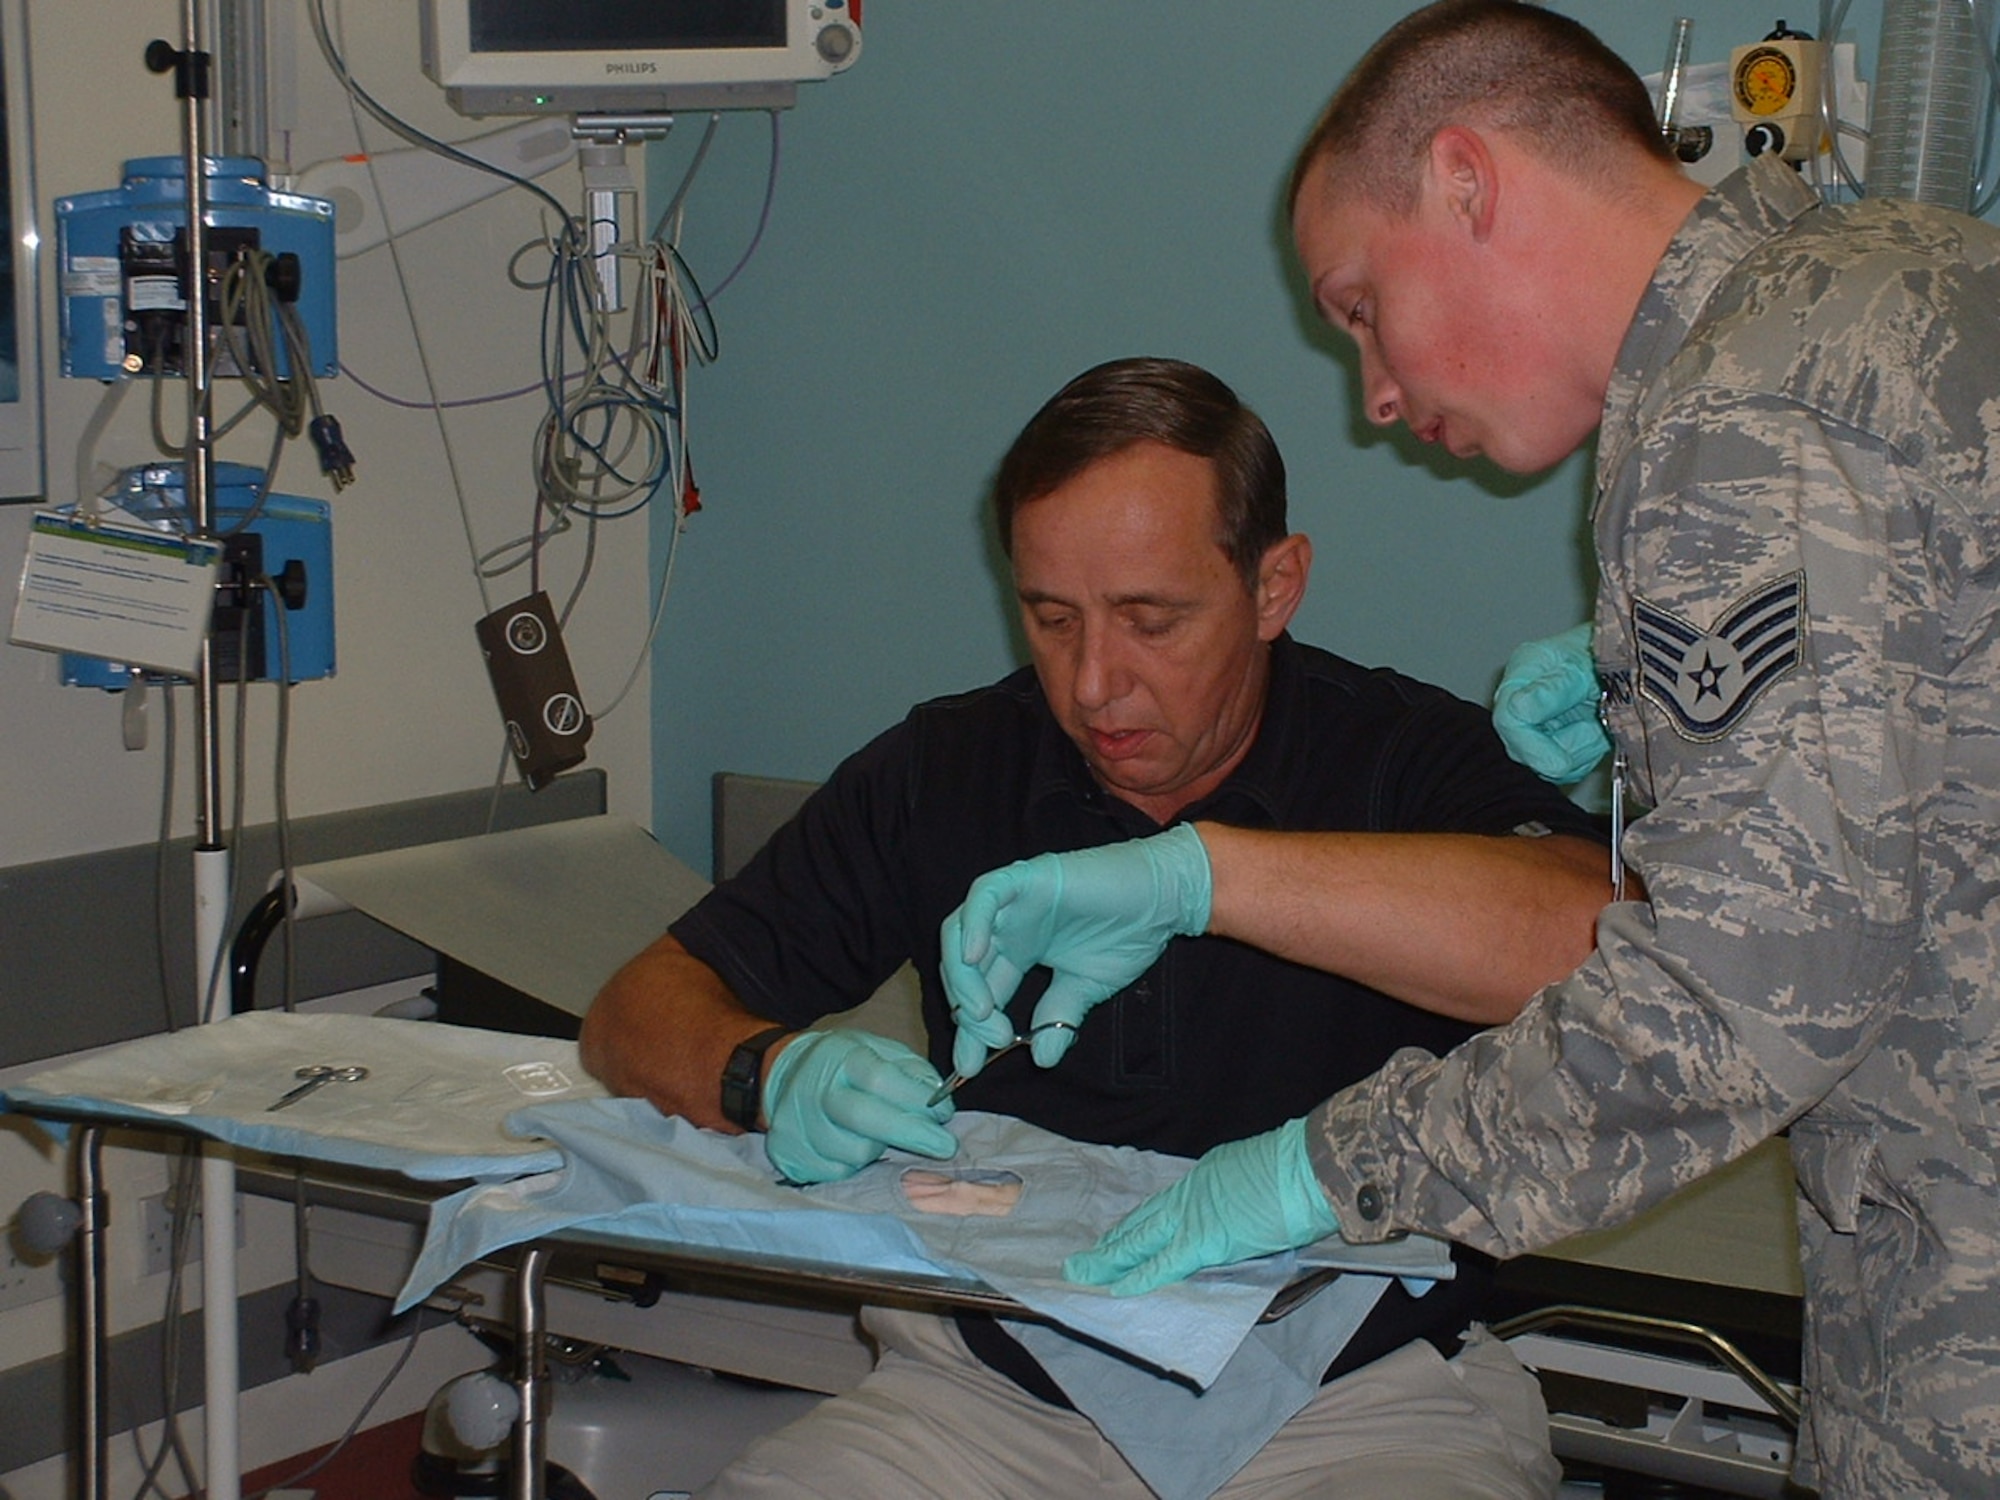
931	1421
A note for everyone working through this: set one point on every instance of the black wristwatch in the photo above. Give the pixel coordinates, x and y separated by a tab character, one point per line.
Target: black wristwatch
743	1077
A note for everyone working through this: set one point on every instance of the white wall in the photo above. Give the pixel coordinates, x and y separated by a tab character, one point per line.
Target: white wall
410	712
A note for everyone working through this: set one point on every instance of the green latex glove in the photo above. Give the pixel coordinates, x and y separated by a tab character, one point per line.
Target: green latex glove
1245	1198
836	1100
1098	918
1545	708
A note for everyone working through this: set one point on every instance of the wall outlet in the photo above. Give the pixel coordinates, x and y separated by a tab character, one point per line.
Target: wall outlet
156	1229
156	1232
25	1281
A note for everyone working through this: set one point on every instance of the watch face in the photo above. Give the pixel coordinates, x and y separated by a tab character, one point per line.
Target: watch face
1766	81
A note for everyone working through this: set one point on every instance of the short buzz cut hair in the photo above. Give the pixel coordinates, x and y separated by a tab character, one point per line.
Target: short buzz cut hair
1499	64
1112	407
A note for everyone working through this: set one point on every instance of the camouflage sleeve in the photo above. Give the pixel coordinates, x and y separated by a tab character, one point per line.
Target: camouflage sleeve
1767	609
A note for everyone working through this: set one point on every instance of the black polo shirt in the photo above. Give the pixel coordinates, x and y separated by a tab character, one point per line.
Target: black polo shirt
1218	1040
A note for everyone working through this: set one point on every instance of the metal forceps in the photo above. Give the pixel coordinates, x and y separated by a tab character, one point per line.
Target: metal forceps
315	1076
1618	768
950	1086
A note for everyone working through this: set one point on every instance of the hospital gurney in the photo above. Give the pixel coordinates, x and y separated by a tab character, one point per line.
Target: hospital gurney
1669	1347
459	1091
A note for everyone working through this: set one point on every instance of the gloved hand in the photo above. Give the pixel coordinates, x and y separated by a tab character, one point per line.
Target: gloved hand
1545	708
835	1100
1097	917
1245	1198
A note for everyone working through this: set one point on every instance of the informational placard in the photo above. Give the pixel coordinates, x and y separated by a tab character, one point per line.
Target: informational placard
125	593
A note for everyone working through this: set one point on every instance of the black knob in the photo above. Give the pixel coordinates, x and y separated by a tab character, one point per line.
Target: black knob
1762	140
291	582
282	275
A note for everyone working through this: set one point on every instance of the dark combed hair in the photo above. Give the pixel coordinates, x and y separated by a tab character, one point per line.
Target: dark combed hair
1112	406
1497	64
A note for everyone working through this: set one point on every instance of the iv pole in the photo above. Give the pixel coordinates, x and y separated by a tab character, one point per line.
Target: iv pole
222	1446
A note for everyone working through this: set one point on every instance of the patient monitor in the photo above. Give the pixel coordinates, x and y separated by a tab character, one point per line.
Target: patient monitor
633	56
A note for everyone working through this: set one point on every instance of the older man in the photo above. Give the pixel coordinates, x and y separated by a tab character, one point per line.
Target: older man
1143	512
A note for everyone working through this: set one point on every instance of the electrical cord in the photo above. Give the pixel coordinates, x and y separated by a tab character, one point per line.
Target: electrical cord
671	214
763	214
170	1444
644	654
302	1333
251	332
499	786
262	334
417	1331
266	591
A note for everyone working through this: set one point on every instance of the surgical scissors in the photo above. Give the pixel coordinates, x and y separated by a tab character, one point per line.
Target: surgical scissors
315	1076
950	1086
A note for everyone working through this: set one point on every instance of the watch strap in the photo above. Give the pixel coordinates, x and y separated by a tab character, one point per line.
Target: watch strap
743	1077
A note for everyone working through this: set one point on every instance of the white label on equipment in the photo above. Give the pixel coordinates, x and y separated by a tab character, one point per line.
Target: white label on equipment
91	276
125	593
154	294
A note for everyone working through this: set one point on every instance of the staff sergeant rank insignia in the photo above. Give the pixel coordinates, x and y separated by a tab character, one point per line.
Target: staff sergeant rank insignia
1706	680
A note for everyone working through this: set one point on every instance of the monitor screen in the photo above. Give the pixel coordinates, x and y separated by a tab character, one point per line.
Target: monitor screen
643	25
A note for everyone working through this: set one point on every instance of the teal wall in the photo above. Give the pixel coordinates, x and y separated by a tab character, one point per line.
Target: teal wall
994	198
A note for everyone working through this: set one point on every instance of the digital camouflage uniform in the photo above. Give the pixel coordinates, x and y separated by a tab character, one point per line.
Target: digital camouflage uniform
1798	525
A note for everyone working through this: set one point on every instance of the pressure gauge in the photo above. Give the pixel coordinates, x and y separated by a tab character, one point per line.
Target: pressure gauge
1765	80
